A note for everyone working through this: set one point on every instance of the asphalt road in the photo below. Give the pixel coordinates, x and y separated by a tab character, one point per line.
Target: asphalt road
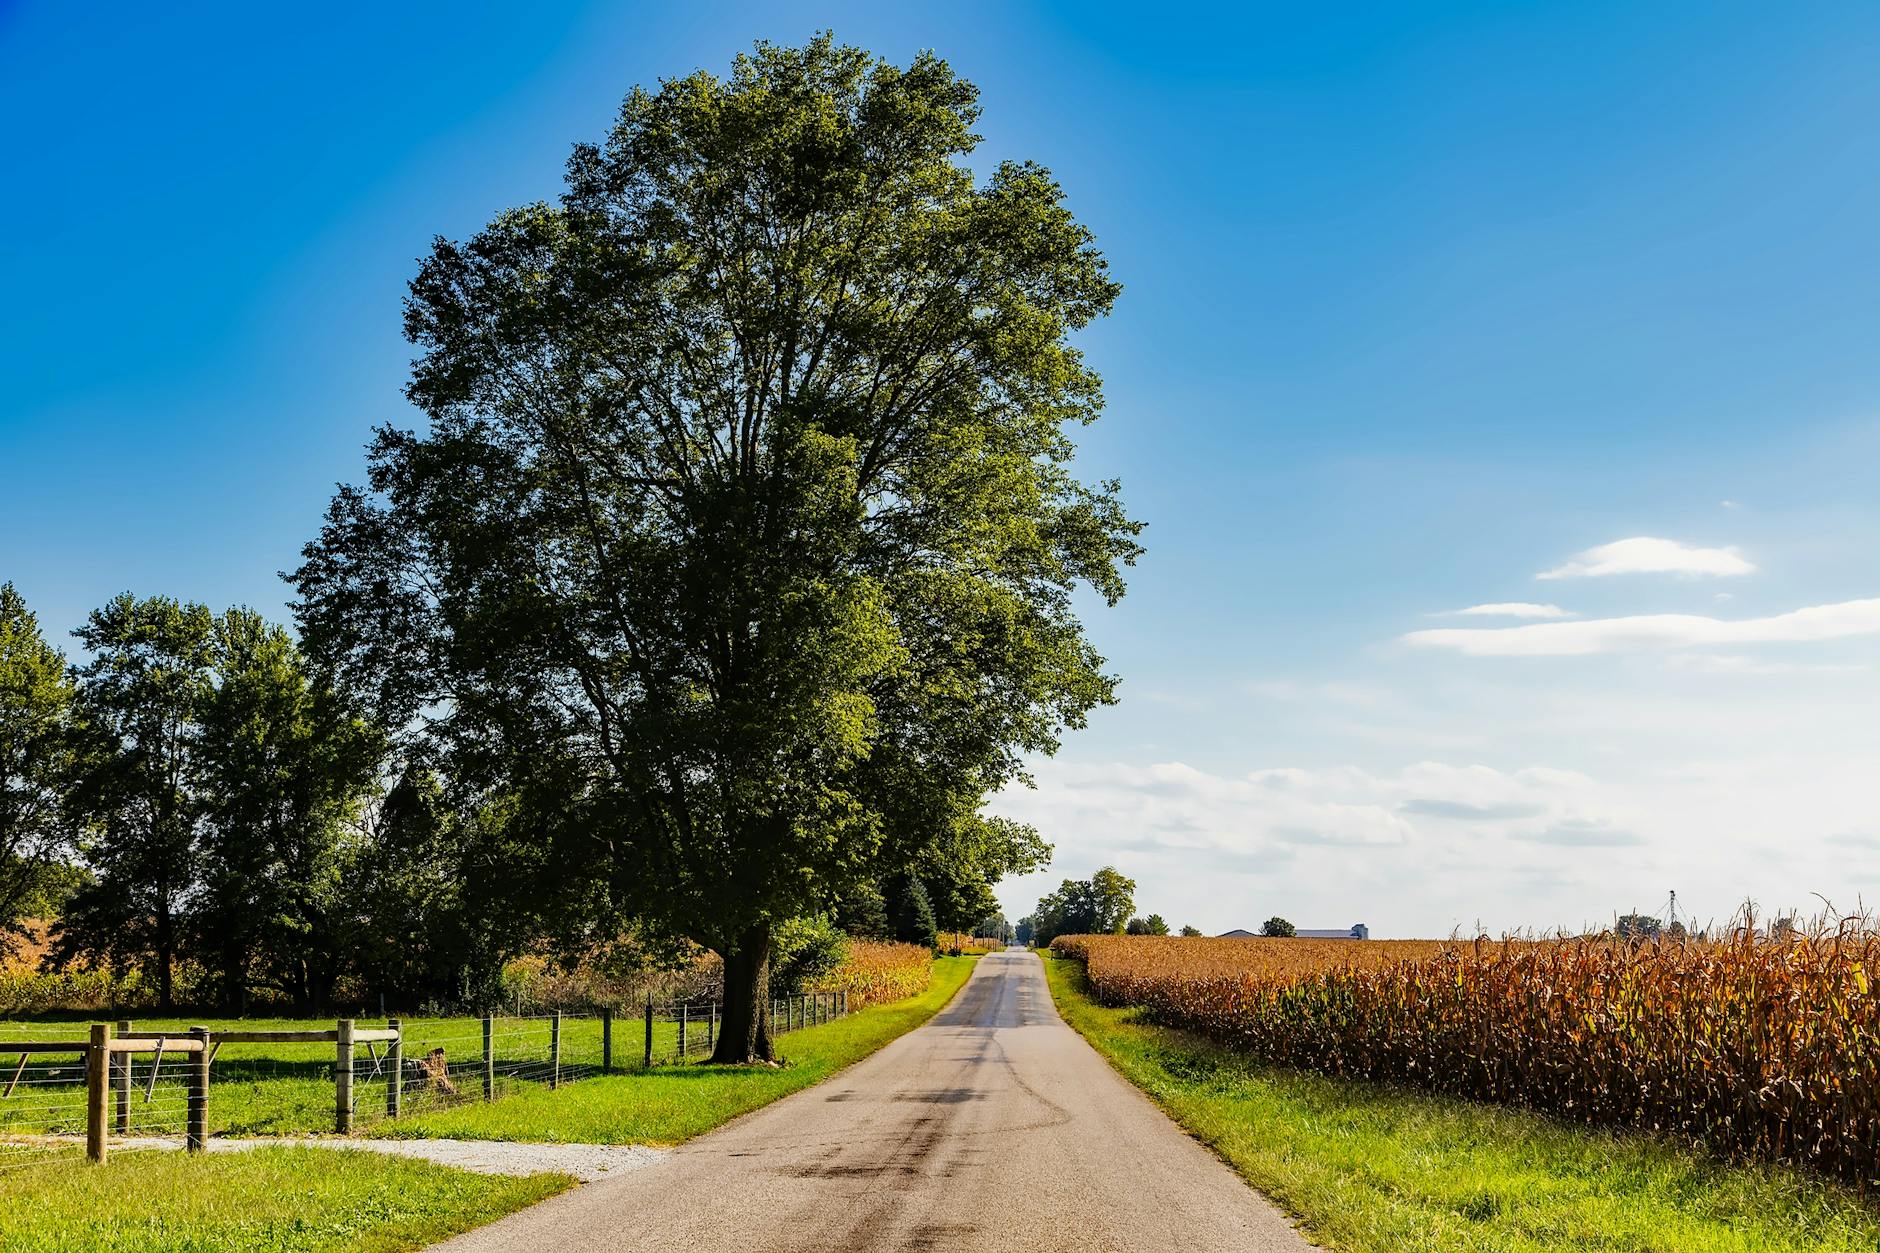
993	1127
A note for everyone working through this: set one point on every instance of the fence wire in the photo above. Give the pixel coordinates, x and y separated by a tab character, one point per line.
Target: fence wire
285	1087
43	1108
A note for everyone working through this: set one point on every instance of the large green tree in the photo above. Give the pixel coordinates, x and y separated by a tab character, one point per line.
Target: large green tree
36	760
740	546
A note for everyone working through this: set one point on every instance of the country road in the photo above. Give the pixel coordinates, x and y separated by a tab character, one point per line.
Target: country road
992	1127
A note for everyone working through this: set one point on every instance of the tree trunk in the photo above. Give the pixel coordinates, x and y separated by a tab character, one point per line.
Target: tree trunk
166	956
744	1025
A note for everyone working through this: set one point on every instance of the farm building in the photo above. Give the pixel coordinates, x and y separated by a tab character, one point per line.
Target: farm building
1357	931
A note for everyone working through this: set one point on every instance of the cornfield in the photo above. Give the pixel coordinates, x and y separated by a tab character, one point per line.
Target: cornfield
873	971
1749	1045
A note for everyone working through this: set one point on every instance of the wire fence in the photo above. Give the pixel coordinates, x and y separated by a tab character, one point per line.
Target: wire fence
63	1096
295	1077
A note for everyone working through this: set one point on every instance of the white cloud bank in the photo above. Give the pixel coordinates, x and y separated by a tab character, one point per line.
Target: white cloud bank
1513	609
1263	818
1643	554
1654	631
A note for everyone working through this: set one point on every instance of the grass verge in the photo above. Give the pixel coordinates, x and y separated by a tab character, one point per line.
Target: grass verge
672	1103
1368	1169
264	1201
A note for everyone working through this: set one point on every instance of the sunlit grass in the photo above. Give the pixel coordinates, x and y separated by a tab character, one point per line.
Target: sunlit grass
265	1201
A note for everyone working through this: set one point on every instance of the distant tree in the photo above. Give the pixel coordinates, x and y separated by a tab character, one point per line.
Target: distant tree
1278	928
993	927
139	697
1112	899
1099	905
1191	931
1783	927
1675	931
1156	924
910	913
1636	926
37	757
282	772
219	788
1023	932
741	545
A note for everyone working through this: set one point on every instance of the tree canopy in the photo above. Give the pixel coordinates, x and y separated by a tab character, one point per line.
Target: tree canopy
739	550
215	781
37	744
1099	905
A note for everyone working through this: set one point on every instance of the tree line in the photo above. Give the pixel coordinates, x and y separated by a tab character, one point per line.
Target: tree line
1103	904
193	796
734	566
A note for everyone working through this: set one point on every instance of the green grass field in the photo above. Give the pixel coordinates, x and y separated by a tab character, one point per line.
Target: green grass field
267	1201
672	1103
287	1089
312	1200
1374	1170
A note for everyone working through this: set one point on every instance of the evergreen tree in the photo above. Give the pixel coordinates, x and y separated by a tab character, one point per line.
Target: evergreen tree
912	914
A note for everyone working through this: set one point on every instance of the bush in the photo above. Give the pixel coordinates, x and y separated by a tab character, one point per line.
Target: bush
803	951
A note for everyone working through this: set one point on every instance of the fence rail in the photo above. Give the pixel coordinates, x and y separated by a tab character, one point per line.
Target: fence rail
148	1086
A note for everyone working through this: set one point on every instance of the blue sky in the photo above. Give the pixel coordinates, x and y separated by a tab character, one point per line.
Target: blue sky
1420	302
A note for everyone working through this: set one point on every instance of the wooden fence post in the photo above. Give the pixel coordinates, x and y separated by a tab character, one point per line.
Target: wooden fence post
196	1134
121	1082
97	1069
683	1010
711	1030
395	1058
554	1050
343	1078
607	1041
649	1030
489	1057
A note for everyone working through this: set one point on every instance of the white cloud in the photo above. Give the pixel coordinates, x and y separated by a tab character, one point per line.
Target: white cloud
1644	555
1513	609
1737	663
1266	818
1650	631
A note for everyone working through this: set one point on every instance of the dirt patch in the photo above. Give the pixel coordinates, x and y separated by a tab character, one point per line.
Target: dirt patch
586	1162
